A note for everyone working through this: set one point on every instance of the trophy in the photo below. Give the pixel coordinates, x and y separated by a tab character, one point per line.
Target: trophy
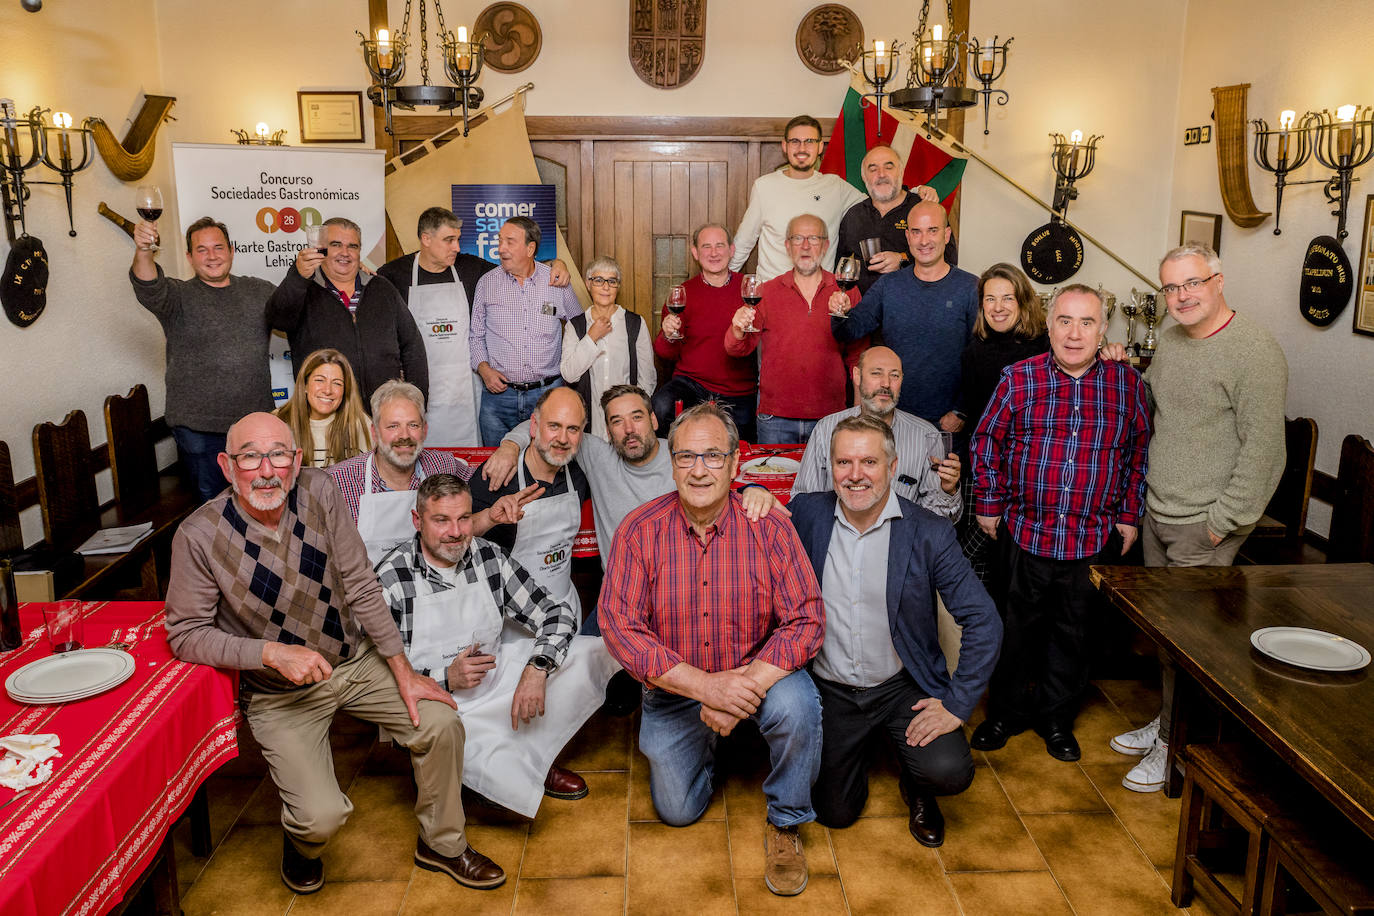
1131	309
1153	316
1108	305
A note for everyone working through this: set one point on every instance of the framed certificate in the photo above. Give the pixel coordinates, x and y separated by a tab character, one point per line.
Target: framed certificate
331	117
1364	289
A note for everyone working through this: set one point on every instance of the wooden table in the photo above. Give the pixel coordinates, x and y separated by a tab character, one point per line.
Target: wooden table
1319	724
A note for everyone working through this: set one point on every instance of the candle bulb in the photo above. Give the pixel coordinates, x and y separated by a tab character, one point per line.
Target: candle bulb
262	130
880	60
464	58
64	139
1075	138
986	61
1346	135
937	56
1286	118
383	49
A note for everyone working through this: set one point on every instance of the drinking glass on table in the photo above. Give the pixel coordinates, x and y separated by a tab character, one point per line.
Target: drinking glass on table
64	625
751	294
677	304
148	203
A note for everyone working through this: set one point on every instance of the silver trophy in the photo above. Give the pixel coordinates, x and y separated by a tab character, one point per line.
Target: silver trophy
1153	316
1132	310
1108	305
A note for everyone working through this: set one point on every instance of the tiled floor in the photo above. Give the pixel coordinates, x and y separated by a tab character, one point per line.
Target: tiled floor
1032	835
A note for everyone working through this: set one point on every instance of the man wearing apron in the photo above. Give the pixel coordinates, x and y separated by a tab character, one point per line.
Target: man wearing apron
451	595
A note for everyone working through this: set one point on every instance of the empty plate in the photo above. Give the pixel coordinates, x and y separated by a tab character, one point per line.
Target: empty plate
1307	648
70	676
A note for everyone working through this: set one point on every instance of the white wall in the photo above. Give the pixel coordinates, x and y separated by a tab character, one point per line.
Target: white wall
1331	370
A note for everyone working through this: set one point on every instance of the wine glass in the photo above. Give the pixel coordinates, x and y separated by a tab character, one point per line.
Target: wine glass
847	273
750	293
148	203
677	304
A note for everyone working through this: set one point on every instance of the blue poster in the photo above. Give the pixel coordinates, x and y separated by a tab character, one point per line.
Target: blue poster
483	208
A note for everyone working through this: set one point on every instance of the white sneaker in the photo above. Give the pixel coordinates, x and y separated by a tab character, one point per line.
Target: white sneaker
1148	774
1138	742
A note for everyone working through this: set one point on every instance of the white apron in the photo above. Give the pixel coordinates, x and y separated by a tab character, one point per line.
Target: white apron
508	767
440	311
544	540
384	516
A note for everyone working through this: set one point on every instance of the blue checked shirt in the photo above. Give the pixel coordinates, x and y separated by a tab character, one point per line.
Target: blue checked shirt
517	328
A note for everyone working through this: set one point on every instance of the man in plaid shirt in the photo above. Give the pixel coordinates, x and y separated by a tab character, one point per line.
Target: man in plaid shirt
450	593
1058	470
718	617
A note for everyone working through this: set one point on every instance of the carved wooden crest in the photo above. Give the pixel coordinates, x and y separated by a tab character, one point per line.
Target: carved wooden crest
513	36
667	40
828	34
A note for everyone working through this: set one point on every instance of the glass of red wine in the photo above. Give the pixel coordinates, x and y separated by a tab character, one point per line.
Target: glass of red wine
677	304
148	202
751	294
847	275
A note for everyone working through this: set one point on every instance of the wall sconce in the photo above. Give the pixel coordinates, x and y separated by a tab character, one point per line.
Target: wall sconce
1294	146
987	61
263	136
463	64
14	190
1071	159
1341	143
877	66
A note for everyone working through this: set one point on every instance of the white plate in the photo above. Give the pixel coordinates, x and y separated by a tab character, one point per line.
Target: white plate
70	676
783	465
1306	648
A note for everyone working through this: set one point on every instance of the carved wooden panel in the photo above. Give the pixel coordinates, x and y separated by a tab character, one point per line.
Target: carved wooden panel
667	40
828	34
513	37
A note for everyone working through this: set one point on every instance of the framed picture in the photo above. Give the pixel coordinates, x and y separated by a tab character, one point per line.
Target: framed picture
1364	291
1198	228
331	117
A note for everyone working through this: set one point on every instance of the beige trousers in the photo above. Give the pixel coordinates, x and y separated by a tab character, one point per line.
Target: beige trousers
293	729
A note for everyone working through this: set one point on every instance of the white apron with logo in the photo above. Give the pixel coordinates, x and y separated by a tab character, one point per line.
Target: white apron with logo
544	540
440	311
507	766
384	515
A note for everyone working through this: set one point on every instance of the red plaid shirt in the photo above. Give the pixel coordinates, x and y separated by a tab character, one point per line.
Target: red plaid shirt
1061	458
745	591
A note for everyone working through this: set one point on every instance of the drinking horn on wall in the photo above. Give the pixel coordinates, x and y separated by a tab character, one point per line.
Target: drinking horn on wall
131	159
1233	165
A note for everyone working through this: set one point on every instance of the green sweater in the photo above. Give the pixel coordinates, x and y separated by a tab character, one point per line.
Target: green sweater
1218	448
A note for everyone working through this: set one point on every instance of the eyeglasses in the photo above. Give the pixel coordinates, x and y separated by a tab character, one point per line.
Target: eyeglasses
809	239
713	459
604	281
278	457
1191	286
803	141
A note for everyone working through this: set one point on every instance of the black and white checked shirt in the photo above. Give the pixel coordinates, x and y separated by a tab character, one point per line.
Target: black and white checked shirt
405	575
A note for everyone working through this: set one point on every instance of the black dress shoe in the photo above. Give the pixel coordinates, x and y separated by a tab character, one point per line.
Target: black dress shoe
992	734
303	875
470	869
927	824
1061	743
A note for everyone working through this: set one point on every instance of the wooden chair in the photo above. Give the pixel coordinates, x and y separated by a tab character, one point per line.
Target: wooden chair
66	482
133	460
1278	536
11	535
1328	860
1352	513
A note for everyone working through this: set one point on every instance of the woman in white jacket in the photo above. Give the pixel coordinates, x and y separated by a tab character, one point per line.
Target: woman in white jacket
606	345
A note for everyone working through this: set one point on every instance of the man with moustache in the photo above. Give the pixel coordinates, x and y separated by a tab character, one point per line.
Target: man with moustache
515	339
702	370
271	579
880	560
883	216
1059	463
926	314
780	195
717	617
802	368
327	302
921	478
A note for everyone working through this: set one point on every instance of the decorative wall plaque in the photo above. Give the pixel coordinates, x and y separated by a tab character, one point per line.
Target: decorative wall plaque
1052	253
667	40
828	34
1327	281
513	37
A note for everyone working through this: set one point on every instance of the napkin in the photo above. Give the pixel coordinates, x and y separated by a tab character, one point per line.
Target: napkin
27	760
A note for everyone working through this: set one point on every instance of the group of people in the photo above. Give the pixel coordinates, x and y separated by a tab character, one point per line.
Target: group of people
991	454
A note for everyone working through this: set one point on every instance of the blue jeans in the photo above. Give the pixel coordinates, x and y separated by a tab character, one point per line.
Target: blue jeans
503	412
784	430
199	454
682	749
691	393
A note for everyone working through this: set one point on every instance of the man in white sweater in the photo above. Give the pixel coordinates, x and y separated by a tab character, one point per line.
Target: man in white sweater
792	190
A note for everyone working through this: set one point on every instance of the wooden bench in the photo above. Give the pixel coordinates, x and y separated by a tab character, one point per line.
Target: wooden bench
1328	860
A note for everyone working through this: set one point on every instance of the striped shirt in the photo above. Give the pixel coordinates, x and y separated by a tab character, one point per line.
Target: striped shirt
516	326
917	479
1063	459
405	576
349	475
744	591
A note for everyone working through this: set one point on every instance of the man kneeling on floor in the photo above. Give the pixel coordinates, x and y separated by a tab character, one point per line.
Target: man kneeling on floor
451	595
880	560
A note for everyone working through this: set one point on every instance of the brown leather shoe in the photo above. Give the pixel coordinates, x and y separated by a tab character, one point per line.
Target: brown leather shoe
927	823
303	875
471	869
784	863
564	784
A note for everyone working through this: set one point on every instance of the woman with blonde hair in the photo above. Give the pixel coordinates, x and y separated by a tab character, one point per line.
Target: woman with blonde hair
325	412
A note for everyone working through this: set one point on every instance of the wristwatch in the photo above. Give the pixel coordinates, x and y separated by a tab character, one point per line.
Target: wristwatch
543	663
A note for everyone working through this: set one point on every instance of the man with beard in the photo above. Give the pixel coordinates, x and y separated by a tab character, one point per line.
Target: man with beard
929	483
271	579
802	368
881	560
883	216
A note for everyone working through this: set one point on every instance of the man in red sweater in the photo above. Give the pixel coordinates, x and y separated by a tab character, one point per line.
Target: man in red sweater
803	369
704	371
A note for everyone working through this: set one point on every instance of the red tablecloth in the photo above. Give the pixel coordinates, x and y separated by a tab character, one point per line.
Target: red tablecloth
131	760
